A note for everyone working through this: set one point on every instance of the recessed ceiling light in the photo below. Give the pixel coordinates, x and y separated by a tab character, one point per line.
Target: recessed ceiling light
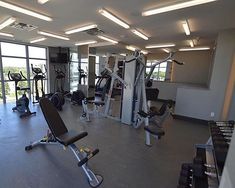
85	42
53	35
191	43
42	1
114	18
7	22
194	49
79	29
176	6
107	39
186	27
141	35
24	11
6	34
160	45
38	40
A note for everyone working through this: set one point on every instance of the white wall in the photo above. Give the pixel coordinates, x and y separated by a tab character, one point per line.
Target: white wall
199	103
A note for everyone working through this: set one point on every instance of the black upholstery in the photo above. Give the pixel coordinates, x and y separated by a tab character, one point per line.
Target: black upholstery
154	130
70	137
56	124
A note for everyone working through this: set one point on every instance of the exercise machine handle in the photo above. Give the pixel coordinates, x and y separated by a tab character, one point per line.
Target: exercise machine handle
84	160
23	76
9	76
177	62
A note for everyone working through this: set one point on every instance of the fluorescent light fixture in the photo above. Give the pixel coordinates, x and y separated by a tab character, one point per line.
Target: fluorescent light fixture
191	43
85	42
7	22
176	6
160	45
24	11
114	18
194	49
144	52
107	39
42	1
122	54
38	40
104	56
141	35
166	50
6	34
131	48
53	35
79	29
186	27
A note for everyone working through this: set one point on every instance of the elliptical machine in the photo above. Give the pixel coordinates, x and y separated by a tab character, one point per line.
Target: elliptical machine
38	76
56	98
22	103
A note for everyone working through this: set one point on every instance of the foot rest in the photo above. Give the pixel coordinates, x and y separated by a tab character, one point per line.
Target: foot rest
84	160
154	130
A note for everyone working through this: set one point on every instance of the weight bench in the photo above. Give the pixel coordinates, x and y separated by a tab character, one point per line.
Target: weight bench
59	134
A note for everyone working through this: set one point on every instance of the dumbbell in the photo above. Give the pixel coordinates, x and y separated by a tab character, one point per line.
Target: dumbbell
185	180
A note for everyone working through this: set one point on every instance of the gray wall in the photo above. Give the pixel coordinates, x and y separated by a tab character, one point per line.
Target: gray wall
199	103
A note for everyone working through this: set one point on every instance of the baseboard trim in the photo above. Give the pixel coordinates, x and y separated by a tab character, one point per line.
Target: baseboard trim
194	120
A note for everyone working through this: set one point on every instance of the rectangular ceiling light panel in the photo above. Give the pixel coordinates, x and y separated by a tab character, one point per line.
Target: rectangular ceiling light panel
79	29
139	34
38	40
115	19
160	45
24	11
194	49
6	34
85	42
107	39
186	27
52	35
176	6
7	22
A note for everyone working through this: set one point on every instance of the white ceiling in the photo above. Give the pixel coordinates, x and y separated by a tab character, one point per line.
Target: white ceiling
205	22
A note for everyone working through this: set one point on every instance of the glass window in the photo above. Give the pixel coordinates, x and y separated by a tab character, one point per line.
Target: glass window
14	65
74	56
9	49
36	52
159	72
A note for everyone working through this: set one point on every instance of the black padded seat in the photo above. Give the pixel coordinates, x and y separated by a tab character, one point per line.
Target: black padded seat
154	130
70	137
97	103
57	126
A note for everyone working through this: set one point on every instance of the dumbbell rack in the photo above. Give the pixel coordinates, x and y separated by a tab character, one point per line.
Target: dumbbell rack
206	169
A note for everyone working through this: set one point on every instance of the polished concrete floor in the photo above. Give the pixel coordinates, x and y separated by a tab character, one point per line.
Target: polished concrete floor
124	161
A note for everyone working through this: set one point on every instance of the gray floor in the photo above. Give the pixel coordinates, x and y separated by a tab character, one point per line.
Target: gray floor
124	160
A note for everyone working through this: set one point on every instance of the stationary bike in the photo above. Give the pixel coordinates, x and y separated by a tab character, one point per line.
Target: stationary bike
22	103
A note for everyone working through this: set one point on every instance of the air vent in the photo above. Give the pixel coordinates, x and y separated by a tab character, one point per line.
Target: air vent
94	31
23	26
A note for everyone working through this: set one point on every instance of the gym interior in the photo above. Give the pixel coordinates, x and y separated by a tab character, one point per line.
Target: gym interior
121	94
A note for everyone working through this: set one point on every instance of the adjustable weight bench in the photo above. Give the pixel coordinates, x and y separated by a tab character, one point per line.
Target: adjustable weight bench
59	134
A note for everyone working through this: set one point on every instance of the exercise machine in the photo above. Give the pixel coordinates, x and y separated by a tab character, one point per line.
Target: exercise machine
134	96
56	98
59	134
59	79
39	76
22	103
